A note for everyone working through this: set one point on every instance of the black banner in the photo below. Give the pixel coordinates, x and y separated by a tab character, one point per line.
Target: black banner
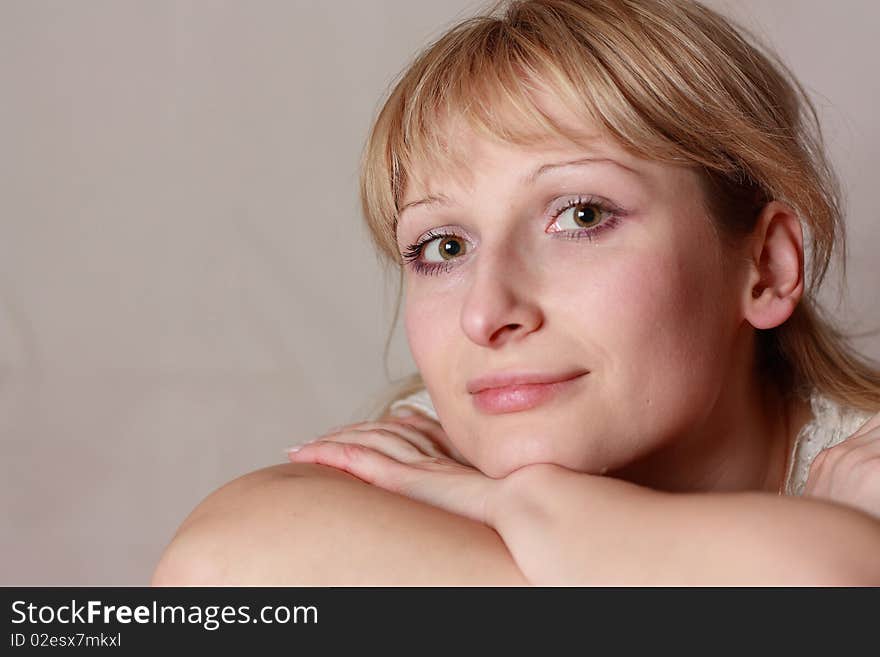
127	620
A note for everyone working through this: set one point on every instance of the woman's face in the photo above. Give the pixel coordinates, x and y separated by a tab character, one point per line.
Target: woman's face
565	259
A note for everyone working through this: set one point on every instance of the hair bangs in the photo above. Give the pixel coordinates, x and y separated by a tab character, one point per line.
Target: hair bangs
490	85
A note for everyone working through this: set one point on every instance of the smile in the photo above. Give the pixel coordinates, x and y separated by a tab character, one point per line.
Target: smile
521	397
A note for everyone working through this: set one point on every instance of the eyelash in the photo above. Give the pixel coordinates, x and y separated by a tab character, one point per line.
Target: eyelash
413	251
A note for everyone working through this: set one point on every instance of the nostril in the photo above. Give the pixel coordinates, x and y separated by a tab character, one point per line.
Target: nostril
511	327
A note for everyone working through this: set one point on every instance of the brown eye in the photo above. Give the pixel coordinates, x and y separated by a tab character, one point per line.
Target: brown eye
448	248
586	215
581	215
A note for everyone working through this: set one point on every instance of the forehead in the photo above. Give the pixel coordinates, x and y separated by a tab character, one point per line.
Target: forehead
471	156
549	127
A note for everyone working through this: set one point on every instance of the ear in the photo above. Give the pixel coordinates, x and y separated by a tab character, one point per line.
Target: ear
775	277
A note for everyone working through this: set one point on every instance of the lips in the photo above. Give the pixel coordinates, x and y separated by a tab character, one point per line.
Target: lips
514	392
507	379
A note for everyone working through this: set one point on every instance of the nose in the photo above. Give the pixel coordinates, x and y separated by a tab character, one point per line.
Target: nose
501	303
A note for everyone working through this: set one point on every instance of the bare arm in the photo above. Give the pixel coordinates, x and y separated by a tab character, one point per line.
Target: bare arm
303	524
309	525
566	528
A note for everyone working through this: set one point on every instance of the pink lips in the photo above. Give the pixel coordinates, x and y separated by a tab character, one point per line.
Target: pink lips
519	396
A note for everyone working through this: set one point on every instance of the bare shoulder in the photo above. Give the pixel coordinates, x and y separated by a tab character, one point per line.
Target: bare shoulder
282	479
310	525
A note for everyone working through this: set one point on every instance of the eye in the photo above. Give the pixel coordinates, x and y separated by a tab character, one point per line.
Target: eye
580	213
579	218
443	248
435	252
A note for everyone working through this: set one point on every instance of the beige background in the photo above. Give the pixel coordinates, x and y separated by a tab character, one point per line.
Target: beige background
185	285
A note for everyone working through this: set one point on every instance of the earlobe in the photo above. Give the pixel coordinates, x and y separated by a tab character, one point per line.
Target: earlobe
775	282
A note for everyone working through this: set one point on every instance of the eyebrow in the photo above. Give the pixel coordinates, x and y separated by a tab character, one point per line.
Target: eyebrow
528	179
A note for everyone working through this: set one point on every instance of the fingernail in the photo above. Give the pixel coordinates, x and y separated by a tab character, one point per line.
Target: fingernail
403	412
296	448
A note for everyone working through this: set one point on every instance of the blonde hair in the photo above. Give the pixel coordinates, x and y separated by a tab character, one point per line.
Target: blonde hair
669	80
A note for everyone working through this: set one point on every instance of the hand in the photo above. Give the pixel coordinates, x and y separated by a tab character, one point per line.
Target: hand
849	472
404	456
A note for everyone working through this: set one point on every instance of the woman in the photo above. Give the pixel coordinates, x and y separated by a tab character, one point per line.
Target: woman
601	210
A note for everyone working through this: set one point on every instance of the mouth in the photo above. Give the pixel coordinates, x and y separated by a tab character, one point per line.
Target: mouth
518	397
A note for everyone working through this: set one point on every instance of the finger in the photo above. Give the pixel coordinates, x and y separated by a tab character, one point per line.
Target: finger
387	442
835	466
426	433
421	421
413	434
437	433
854	451
451	486
440	445
363	462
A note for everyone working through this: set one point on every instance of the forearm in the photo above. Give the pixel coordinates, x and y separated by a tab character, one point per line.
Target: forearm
566	528
305	525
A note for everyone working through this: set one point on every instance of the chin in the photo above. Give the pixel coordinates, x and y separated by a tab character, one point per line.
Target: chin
501	463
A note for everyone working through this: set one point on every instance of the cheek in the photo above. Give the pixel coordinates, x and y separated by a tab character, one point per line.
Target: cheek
431	323
656	306
660	328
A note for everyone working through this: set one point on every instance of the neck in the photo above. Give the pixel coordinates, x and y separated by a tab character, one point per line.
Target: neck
743	444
